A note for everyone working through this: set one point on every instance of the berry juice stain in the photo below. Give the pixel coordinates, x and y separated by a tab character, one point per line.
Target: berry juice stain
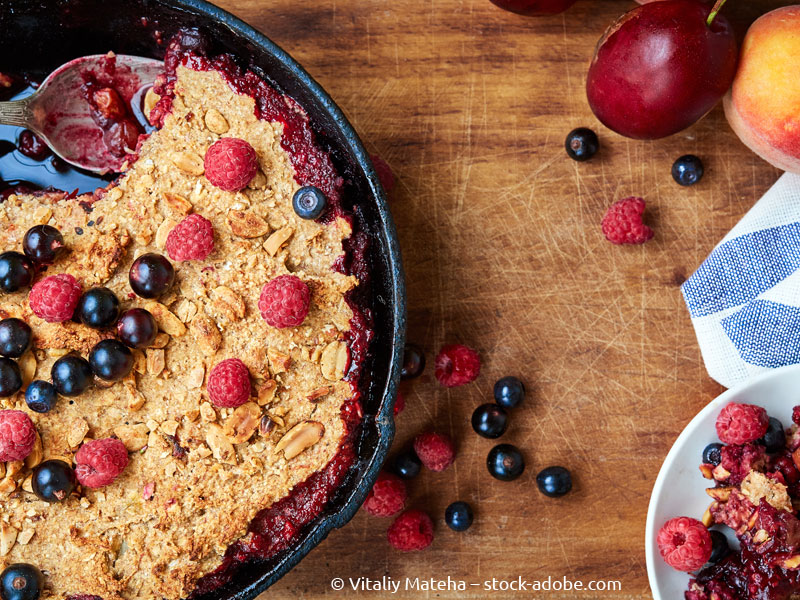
21	173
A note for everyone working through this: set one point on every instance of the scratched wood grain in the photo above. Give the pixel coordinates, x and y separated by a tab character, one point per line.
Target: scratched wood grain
502	247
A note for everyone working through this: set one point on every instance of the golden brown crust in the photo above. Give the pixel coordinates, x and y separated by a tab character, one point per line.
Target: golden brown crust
170	516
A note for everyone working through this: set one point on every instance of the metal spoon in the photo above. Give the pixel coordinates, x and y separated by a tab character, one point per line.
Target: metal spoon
59	114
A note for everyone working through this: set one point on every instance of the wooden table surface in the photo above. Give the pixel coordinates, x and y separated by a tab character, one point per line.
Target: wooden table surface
503	251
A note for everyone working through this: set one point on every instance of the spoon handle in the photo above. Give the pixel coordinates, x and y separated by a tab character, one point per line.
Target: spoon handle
16	113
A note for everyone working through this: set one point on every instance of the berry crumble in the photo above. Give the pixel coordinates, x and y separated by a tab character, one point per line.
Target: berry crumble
756	482
181	396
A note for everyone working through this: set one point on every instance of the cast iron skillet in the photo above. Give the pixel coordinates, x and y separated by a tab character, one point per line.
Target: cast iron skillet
39	35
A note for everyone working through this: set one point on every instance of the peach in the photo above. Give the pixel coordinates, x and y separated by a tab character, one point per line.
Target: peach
763	105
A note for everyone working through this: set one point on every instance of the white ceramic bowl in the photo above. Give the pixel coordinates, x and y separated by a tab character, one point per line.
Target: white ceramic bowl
680	488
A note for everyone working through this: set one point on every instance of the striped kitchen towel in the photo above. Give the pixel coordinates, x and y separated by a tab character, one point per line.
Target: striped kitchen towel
744	299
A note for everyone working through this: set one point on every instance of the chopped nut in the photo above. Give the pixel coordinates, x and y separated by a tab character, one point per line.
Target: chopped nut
163	230
177	204
318	393
7	485
139	361
258	181
77	431
8	537
277	240
170	427
114	194
42	215
220	446
215	122
241	425
708	519
792	563
134	437
278	361
167	322
161	341
229	303
206	334
760	536
35	457
136	399
156	361
203	452
265	392
27	483
722	494
27	365
207	412
706	471
196	377
186	310
335	360
247	224
720	474
25	536
188	162
150	100
300	437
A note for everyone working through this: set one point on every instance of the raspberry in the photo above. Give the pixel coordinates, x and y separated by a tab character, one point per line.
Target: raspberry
741	423
384	172
54	298
17	435
435	450
413	530
230	164
387	497
457	365
796	415
284	301
229	383
99	462
399	404
623	222
684	543
191	239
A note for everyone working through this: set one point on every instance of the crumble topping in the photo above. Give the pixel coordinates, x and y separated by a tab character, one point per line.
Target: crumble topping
197	475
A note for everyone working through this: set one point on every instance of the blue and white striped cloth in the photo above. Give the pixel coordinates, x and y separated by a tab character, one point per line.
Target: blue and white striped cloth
744	299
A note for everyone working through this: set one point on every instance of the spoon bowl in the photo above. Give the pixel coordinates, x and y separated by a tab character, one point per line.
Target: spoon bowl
59	113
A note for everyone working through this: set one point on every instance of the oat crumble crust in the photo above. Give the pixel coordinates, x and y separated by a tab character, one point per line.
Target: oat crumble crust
169	518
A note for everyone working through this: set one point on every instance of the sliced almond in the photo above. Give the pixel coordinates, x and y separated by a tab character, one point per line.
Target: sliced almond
7	485
720	474
163	230
760	536
188	162
185	310
216	122
77	431
150	100
220	446
277	240
706	471
318	393
27	365
134	437
35	457
177	204
708	519
27	483
299	438
229	303
156	361
278	361
170	427
242	424
335	360
8	537
206	334
139	361
247	224
167	322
